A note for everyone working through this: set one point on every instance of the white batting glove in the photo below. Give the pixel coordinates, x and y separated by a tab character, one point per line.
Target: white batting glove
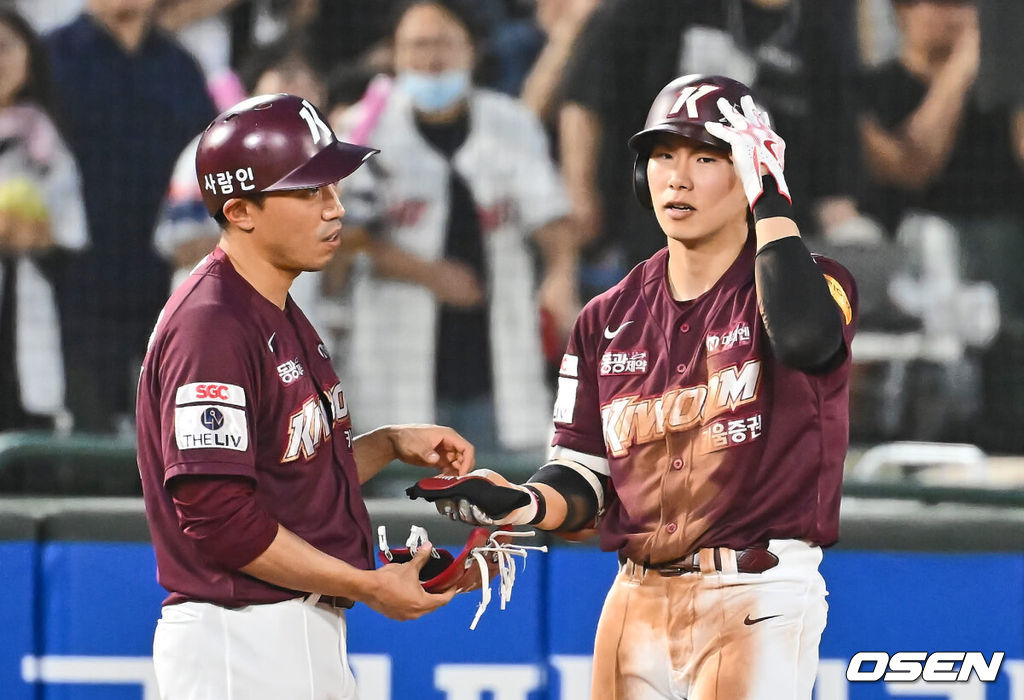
753	144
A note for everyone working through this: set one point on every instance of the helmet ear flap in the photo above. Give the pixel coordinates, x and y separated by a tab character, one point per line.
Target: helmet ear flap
641	188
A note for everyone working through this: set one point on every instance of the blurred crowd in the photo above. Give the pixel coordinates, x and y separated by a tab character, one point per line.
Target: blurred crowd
501	201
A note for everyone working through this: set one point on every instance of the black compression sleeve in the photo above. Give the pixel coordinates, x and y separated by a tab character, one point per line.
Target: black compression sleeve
800	316
580	499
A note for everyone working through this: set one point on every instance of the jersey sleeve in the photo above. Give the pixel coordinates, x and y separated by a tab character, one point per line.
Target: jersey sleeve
538	185
208	391
577	415
843	289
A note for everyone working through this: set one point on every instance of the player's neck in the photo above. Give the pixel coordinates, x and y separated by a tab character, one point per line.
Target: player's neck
270	281
694	268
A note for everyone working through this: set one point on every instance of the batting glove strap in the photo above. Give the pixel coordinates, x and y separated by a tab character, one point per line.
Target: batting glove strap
541	503
772	201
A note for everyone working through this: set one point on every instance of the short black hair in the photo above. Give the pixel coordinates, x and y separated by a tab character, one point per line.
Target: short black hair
461	11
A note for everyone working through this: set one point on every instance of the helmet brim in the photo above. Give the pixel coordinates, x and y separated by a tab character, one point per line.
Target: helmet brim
335	162
643	141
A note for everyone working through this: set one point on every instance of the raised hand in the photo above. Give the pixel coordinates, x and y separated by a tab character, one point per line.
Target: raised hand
756	149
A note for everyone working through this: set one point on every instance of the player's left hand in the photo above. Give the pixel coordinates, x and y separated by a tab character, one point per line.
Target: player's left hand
432	446
484	497
756	149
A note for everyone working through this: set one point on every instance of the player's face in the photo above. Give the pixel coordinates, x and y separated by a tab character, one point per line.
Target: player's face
299	230
695	190
13	64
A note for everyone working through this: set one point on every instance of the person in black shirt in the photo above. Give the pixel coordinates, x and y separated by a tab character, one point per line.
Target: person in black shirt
931	147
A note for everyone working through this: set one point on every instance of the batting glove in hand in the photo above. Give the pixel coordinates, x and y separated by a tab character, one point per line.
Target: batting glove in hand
482	497
753	144
486	555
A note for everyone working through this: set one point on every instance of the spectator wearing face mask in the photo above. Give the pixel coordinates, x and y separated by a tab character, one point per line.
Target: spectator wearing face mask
445	316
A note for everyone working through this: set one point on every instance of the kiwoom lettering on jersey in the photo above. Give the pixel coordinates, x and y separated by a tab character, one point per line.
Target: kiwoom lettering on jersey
937	667
630	420
310	426
719	341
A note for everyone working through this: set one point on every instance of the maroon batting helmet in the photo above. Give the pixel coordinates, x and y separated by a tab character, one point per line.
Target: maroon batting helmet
681	108
271	143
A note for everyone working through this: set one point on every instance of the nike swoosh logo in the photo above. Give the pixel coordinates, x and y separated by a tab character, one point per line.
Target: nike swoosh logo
748	621
270	341
609	333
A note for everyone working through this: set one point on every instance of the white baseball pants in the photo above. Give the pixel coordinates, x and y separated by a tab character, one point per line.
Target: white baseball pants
293	650
712	635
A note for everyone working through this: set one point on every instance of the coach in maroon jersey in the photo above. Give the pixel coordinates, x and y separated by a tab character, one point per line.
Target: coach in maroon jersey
702	421
250	471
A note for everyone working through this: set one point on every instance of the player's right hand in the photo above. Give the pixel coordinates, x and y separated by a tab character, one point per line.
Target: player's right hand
482	497
756	149
396	591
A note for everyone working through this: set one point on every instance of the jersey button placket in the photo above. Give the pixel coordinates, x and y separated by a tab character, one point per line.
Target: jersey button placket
677	463
670	528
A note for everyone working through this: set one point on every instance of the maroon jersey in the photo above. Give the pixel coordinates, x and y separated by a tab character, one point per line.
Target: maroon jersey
234	386
707	438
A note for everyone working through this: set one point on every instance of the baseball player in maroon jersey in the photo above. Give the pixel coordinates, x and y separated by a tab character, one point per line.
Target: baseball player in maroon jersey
250	472
701	421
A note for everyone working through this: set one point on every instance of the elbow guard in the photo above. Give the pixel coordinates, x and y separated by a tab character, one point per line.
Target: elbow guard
582	489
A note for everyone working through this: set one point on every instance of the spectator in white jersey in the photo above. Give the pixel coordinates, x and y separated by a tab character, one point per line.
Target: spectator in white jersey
445	320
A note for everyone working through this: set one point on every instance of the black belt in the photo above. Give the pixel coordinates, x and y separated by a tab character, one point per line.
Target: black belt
752	560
